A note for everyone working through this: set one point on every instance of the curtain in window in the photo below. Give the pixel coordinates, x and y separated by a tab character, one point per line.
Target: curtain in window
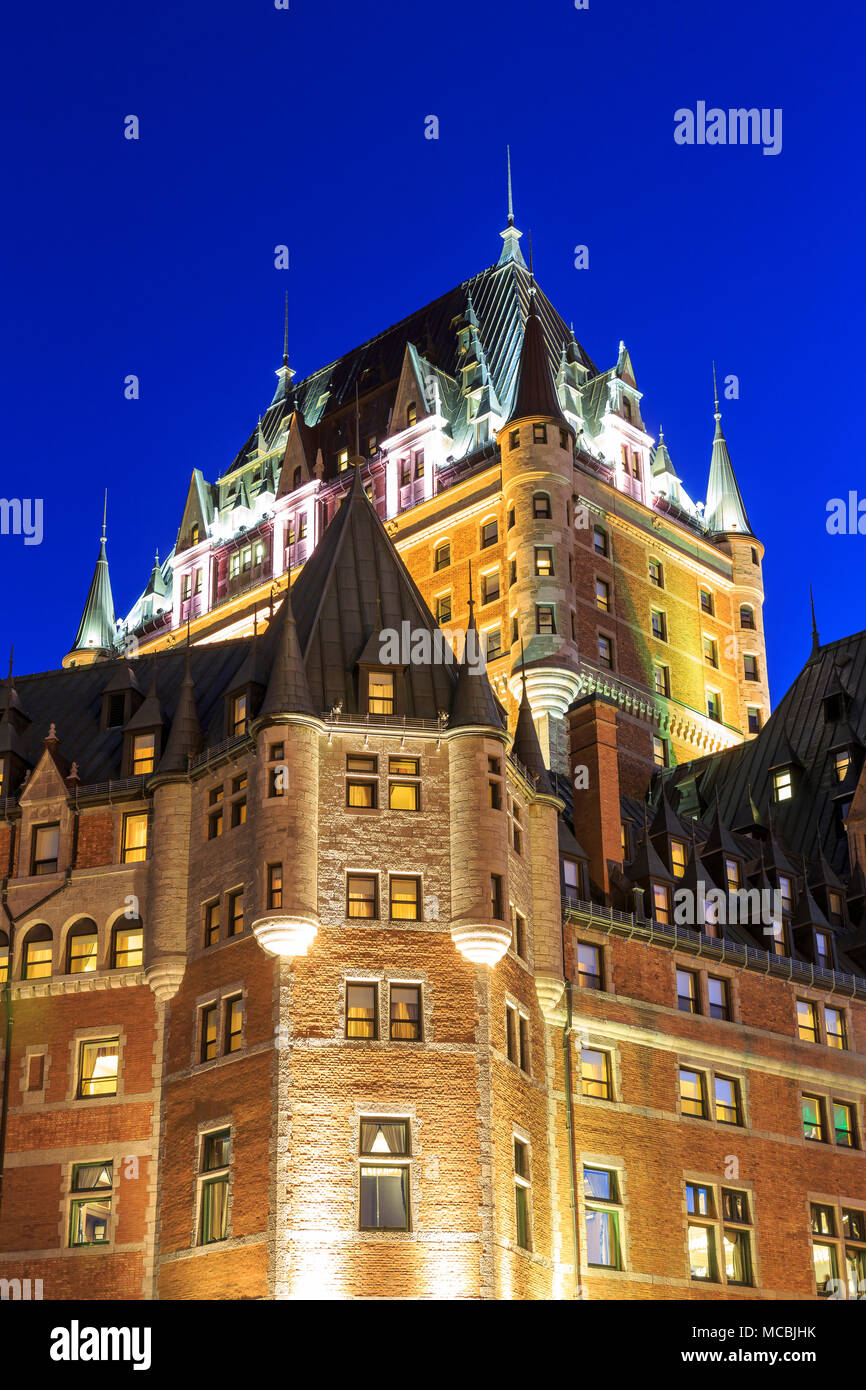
601	1238
404	1014
382	1136
385	1198
215	1198
736	1256
92	1175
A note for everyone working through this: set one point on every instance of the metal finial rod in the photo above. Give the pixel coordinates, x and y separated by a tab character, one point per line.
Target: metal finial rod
11	655
523	665
510	201
531	271
286	334
471	599
357	424
716	393
104	512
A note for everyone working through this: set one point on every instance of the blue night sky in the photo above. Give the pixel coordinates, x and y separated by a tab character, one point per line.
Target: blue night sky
306	127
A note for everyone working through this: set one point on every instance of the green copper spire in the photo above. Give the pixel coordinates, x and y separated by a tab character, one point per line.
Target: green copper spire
511	236
96	630
724	510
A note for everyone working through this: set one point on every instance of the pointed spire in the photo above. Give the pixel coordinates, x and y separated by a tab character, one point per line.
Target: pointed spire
816	637
511	251
286	333
725	510
185	738
473	702
526	748
284	373
97	626
535	392
288	690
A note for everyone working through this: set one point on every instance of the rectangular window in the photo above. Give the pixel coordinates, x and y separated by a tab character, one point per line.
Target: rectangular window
588	966
134	842
275	887
702	1253
513	439
823	951
844	1125
361	1019
128	947
90	1215
236	912
496	902
520	935
405	1017
46	847
656	574
545	619
492	639
511	1032
710	650
405	899
599	541
209	1021
687	992
717	998
714	706
727	1097
541	506
544	561
807	1021
659	625
750	668
539	434
490	587
692	1093
754	719
602	595
363	796
835	1028
211	923
522	1189
489	534
605	652
442	556
678	858
143	753
783	784
706	601
97	1068
813	1119
603	1218
661	680
404	794
443	608
238	722
595	1074
661	902
381	692
214	1200
361	896
234	1024
384	1187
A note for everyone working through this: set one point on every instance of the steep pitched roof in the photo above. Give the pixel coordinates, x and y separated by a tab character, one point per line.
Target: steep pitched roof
535	392
288	691
725	510
526	747
96	630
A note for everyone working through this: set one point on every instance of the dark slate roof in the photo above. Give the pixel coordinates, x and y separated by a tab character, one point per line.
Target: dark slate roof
500	301
526	748
797	727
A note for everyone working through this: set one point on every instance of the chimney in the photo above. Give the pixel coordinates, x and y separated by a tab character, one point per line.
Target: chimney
594	766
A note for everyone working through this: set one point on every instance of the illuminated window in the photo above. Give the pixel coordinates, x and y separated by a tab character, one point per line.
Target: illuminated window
786	894
404	795
405	1013
275	887
361	896
214	1187
588	966
239	801
678	858
384	1185
90	1215
490	586
134	840
814	1127
211	923
692	1093
656	574
835	1028
238	724
842	764
660	751
361	1021
82	950
489	534
97	1068
842	1247
727	1227
442	556
143	753
706	601
234	1024
844	1125
443	608
733	874
215	813
381	692
661	902
603	1218
194	534
541	506
522	1194
209	1019
405	899
4	957
342	460
823	951
127	946
717	998
411	413
807	1021
186	586
362	793
602	595
544	561
46	847
727	1101
38	954
545	619
687	992
236	912
595	1074
372	446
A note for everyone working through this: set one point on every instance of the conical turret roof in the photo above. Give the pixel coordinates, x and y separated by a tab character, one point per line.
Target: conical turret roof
474	702
97	626
725	510
535	393
288	690
185	736
526	748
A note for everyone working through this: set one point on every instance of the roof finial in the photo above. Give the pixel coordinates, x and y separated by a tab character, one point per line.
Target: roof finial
357	425
104	512
510	201
187	631
816	637
531	271
718	414
11	654
523	667
471	599
286	334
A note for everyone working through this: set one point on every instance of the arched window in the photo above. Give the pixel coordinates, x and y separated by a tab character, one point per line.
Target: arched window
38	954
747	616
540	506
127	943
82	948
411	413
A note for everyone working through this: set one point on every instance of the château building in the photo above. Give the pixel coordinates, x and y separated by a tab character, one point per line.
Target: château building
339	968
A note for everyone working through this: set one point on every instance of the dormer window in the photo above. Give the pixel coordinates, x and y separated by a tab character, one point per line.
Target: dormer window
626	408
783	784
841	763
380	698
115	714
823	950
238	717
143	753
834	908
678	858
195	534
411	414
732	874
834	708
46	847
296	478
786	894
342	460
661	902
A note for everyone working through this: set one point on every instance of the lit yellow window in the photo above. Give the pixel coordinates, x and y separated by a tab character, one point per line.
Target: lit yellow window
134	837
381	692
143	753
